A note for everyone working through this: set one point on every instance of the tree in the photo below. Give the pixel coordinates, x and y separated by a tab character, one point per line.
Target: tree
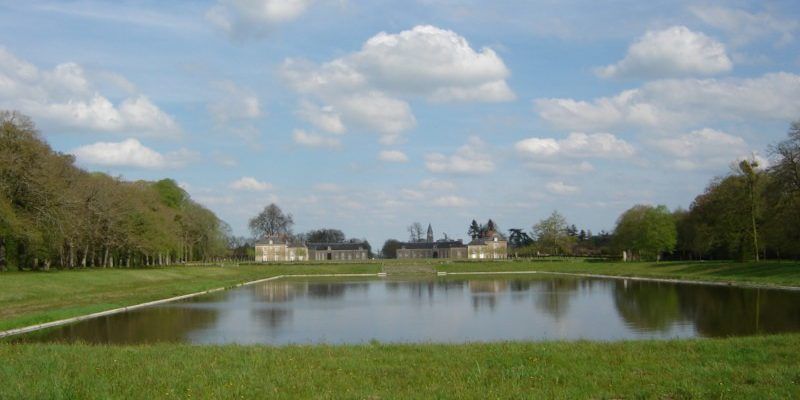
787	168
646	231
551	234
415	232
748	171
389	249
325	235
271	222
474	230
518	238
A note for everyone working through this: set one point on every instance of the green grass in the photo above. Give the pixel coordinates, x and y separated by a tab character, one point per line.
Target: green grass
28	298
786	273
754	367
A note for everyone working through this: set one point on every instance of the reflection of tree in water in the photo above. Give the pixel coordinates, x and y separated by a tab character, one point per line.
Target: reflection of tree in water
713	310
648	306
331	290
148	325
272	317
553	295
731	311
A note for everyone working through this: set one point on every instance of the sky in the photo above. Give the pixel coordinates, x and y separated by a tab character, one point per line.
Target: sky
367	116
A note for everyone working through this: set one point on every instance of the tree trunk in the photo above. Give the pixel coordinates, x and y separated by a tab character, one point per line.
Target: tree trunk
105	257
85	253
3	262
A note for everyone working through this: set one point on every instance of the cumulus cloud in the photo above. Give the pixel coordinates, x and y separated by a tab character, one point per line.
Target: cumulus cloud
744	27
395	156
233	103
470	159
250	184
599	145
68	98
369	88
704	148
131	153
561	188
310	139
437	184
673	103
243	19
450	201
673	52
322	117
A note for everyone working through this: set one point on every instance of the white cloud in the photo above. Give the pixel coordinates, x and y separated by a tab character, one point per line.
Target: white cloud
671	103
471	158
368	88
395	156
560	168
67	97
243	19
437	184
561	188
324	117
450	201
704	148
307	139
598	145
130	153
250	184
233	103
673	52
744	27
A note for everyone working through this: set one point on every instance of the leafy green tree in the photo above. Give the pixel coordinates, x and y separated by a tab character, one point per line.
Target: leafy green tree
389	249
325	235
552	234
646	231
474	230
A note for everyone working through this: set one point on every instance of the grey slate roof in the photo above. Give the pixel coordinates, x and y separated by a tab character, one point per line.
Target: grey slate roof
337	246
449	244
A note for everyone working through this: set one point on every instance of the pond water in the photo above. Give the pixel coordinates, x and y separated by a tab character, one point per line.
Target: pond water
446	310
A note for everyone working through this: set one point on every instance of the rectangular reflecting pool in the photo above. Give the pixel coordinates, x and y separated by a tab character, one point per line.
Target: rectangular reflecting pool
446	309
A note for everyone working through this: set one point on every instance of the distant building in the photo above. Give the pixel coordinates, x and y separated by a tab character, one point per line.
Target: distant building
280	249
492	247
338	251
432	249
441	249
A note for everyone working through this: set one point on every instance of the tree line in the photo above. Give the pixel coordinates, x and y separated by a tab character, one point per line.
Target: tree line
54	214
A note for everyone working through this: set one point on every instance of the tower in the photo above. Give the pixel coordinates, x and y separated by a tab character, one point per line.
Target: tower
430	234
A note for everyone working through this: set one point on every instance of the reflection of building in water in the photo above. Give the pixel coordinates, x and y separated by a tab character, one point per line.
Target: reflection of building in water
274	292
480	286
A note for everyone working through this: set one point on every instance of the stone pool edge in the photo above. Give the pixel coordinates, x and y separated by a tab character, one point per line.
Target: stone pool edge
32	328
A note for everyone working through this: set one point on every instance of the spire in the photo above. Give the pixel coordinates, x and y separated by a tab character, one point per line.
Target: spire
430	234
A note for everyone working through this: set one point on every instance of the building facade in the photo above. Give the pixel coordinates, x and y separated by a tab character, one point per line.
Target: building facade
338	251
493	247
280	249
453	249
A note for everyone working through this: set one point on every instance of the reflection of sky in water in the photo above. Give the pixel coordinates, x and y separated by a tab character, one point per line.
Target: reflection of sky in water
448	310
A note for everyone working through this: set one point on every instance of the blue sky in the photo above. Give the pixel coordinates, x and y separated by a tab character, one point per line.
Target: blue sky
368	116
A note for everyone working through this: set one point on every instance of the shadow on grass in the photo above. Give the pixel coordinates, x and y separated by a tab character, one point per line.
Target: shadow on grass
767	269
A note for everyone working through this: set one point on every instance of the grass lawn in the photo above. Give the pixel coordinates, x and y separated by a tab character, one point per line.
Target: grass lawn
752	367
785	273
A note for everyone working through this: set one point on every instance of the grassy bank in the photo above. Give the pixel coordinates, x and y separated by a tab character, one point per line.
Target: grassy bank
28	298
786	273
755	367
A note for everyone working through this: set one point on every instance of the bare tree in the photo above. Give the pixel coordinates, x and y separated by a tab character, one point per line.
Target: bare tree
270	222
415	232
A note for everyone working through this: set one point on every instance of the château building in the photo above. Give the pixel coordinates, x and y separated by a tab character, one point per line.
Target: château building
283	249
454	249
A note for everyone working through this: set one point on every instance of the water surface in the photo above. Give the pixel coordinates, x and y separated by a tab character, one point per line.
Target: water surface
447	310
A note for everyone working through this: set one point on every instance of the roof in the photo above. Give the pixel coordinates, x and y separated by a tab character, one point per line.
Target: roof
276	239
337	246
443	244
